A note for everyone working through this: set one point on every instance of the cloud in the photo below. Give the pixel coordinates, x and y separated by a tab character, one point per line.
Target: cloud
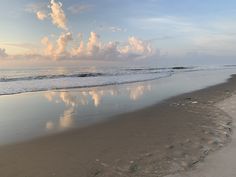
59	49
137	47
62	42
134	48
39	9
41	15
3	53
49	50
80	8
93	47
93	44
57	14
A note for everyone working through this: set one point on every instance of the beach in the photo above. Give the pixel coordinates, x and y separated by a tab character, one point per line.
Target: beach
167	138
223	162
117	88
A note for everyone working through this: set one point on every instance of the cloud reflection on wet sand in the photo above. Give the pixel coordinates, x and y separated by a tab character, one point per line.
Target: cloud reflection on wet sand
90	97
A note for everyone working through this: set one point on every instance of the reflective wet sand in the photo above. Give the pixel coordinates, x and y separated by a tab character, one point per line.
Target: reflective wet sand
30	115
165	138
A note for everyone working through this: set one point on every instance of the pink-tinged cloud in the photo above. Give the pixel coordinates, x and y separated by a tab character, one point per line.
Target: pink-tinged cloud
57	14
41	15
137	46
59	49
134	48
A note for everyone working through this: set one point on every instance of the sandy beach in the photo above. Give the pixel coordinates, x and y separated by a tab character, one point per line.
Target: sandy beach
221	163
171	137
117	88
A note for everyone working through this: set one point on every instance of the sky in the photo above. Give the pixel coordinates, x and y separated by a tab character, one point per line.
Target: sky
164	31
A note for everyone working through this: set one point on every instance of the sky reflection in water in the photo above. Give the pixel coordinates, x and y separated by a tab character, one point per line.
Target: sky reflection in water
31	115
97	101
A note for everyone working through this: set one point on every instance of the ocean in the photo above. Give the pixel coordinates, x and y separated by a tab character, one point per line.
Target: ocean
13	81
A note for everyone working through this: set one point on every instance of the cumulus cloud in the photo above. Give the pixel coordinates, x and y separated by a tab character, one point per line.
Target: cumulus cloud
93	47
57	14
49	49
3	53
135	48
39	9
59	49
41	15
93	43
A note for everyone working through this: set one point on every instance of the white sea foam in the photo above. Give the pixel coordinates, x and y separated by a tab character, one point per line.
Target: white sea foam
32	80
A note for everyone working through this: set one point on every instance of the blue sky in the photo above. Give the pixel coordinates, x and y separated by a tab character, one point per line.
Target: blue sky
173	28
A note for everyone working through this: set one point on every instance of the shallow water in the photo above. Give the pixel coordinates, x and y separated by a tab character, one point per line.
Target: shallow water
13	81
30	115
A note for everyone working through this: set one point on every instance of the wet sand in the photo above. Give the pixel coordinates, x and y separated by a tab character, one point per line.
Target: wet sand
171	137
222	163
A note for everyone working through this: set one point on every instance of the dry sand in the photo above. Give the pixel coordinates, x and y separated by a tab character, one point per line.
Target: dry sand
168	138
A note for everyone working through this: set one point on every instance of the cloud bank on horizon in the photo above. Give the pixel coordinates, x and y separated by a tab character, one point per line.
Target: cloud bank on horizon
65	46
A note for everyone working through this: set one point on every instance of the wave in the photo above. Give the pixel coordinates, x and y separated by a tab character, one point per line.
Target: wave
132	71
22	86
39	81
41	77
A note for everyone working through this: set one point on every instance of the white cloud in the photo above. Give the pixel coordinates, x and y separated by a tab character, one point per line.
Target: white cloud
49	49
57	14
93	45
39	9
137	47
41	15
134	48
62	42
92	48
59	49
